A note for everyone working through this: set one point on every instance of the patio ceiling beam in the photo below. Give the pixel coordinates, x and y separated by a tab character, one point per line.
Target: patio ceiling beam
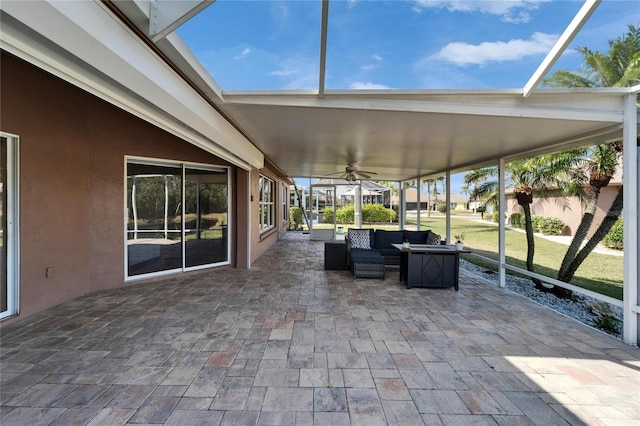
561	45
599	109
165	16
323	47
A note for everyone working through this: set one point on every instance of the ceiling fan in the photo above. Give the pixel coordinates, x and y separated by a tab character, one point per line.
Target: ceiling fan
351	173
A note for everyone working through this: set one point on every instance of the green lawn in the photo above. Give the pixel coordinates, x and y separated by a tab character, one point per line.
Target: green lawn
600	273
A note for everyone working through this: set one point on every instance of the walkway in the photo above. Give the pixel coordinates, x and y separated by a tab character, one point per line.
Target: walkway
288	343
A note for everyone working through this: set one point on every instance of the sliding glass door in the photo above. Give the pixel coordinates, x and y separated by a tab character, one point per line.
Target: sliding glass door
177	217
205	218
8	226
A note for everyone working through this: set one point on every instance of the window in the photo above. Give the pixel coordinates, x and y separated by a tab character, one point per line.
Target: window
284	198
266	203
8	226
177	217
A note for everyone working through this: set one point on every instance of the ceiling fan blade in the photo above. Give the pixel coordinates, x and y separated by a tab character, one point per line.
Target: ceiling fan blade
334	174
363	174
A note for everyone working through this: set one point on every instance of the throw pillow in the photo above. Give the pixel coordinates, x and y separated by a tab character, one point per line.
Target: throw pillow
360	238
433	239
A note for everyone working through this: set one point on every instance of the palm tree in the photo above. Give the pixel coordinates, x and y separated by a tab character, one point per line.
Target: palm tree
601	165
620	67
617	68
540	175
537	175
477	178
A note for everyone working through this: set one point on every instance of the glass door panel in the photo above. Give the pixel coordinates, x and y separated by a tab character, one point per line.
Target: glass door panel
154	222
322	212
206	216
4	305
9	281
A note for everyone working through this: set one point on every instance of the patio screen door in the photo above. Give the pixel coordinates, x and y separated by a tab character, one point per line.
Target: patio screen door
322	212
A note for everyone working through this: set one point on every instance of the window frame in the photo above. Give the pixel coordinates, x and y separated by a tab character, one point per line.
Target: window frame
284	201
12	197
266	208
183	166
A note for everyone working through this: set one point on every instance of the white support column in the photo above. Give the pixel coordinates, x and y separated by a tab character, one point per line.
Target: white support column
502	259
631	182
418	201
357	200
402	206
448	201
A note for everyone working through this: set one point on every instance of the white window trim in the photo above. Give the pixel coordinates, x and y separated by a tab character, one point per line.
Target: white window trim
13	226
184	165
284	203
269	204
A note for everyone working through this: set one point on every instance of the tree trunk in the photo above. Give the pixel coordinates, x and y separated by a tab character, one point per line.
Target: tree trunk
609	220
581	232
528	226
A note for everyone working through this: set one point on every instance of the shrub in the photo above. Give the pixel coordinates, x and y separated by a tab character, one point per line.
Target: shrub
495	216
376	213
441	207
546	225
614	238
345	215
517	220
327	215
535	223
551	226
296	217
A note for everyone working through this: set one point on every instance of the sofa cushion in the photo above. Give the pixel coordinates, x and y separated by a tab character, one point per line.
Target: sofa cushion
433	238
366	256
360	238
416	237
384	239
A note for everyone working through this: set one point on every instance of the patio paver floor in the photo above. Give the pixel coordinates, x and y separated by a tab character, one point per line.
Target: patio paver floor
289	343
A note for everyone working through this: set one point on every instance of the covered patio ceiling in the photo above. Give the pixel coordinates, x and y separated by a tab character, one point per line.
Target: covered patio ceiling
403	135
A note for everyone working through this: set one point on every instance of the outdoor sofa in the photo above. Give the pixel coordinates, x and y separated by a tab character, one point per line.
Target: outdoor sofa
369	251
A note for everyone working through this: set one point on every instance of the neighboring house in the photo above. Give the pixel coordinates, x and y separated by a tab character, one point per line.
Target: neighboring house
570	209
372	192
457	201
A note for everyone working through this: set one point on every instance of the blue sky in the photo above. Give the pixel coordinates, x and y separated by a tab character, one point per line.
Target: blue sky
395	44
412	44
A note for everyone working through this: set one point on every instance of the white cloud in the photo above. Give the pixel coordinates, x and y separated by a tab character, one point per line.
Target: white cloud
358	85
243	54
377	60
297	73
499	51
283	73
512	11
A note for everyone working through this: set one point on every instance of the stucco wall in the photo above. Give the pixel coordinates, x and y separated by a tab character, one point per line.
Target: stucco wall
260	242
72	167
554	206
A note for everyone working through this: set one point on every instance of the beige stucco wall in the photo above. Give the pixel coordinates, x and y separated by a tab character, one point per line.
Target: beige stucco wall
572	214
72	168
260	242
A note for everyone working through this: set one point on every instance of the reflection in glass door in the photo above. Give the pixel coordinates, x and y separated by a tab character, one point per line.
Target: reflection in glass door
177	217
205	216
8	227
322	212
